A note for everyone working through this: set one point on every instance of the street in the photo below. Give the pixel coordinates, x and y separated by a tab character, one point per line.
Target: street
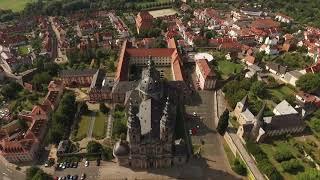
8	173
212	151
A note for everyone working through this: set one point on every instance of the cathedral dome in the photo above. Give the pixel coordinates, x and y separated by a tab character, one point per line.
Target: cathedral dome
150	83
121	148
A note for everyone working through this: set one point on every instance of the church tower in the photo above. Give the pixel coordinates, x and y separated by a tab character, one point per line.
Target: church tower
150	84
241	106
257	123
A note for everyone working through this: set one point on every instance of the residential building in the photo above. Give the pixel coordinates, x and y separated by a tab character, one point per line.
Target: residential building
77	78
144	21
205	75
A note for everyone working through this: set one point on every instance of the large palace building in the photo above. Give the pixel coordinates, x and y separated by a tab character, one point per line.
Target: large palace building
165	58
150	141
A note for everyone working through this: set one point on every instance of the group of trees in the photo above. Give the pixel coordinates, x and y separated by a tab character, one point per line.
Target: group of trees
95	147
294	60
263	162
35	173
292	166
62	118
79	59
10	90
288	163
239	167
309	82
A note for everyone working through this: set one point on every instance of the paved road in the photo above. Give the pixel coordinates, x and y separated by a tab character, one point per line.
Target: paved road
212	152
91	125
8	173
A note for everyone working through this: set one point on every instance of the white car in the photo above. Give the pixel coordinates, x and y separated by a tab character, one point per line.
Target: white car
86	164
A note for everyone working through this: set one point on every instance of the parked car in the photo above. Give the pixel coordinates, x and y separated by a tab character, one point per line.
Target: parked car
98	162
75	164
83	176
86	164
75	177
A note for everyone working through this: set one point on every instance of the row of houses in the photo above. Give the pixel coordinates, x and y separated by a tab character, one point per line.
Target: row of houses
21	144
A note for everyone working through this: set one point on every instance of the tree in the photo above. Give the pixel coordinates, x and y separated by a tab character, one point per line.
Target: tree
39	79
84	108
283	155
11	90
94	147
309	82
293	166
239	167
223	122
31	172
35	173
104	108
258	89
23	124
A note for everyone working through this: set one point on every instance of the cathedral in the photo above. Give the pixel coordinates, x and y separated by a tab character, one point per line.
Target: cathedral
151	114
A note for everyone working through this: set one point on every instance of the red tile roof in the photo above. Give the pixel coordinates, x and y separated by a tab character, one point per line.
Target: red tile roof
264	24
206	71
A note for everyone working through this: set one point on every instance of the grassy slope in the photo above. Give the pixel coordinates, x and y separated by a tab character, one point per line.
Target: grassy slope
227	68
99	126
83	127
15	5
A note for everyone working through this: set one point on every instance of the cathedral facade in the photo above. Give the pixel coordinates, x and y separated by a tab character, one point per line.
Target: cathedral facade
150	141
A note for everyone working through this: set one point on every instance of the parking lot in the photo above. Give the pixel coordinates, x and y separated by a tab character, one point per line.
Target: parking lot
91	171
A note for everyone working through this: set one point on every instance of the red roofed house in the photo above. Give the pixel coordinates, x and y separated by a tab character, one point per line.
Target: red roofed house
205	76
144	21
19	145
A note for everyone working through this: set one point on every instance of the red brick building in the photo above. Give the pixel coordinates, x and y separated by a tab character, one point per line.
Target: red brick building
144	21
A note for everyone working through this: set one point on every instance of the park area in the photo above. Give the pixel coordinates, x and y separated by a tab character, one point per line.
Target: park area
15	5
287	155
227	68
85	124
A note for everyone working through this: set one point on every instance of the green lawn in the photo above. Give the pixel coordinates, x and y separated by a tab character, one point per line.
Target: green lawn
282	92
15	5
23	50
99	126
226	68
83	127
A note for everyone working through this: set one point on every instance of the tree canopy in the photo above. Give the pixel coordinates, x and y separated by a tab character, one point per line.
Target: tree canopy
223	122
309	82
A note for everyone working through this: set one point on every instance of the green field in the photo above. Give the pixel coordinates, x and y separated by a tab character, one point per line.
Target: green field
226	68
282	92
99	126
15	5
83	127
